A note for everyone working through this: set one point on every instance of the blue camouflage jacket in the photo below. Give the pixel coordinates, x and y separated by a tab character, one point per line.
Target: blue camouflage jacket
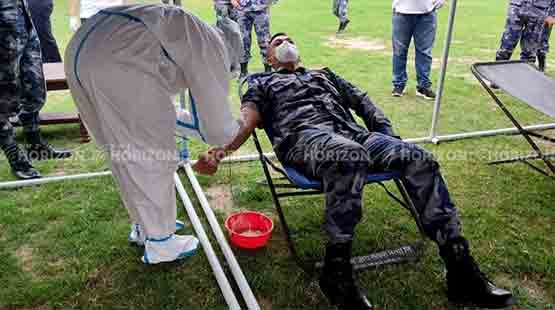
255	5
8	14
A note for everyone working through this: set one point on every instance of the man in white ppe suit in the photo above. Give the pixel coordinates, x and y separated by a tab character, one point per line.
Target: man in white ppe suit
123	67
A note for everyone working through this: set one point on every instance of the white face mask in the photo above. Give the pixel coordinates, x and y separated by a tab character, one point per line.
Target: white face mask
287	53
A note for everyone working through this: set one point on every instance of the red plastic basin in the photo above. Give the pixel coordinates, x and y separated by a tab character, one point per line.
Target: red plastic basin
249	229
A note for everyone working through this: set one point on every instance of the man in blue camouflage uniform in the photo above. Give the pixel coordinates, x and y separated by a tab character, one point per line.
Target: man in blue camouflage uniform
22	89
341	10
254	13
313	131
525	23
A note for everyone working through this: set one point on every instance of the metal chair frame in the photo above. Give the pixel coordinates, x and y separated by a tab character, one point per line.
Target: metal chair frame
539	154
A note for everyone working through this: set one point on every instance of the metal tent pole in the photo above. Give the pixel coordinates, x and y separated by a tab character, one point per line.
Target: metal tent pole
219	273
443	72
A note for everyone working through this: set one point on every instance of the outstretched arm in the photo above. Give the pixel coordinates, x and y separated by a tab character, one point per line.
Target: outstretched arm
208	162
356	99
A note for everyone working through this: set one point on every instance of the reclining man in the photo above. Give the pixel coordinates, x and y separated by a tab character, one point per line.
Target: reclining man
307	110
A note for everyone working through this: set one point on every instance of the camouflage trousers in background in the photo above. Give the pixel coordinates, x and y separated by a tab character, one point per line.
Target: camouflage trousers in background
544	48
528	30
342	162
260	21
341	9
22	85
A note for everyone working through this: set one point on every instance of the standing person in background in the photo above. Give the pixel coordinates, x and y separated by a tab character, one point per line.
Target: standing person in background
22	90
341	10
81	10
254	13
414	19
525	24
41	11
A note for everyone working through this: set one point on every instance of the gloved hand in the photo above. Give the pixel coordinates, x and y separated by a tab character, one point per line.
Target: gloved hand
183	147
74	23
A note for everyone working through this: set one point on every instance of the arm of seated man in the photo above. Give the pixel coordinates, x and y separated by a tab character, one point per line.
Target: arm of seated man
208	162
357	100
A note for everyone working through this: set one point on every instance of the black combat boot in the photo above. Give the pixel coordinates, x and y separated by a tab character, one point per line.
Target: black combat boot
244	70
466	284
541	62
342	26
267	68
20	165
337	281
39	149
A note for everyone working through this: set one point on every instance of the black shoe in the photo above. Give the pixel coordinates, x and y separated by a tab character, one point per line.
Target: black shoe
337	280
493	86
398	91
466	284
244	70
426	93
44	151
541	62
342	26
20	165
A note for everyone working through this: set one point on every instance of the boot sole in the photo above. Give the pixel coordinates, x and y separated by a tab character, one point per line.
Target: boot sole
419	94
463	303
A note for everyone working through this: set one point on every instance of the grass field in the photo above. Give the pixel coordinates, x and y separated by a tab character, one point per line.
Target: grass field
64	245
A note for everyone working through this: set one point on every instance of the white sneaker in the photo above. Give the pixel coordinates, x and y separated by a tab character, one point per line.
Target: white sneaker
137	236
169	249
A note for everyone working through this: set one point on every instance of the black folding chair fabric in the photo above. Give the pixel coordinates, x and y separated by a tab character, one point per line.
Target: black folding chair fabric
526	83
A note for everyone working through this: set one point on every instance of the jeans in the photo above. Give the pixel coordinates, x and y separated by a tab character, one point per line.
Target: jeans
421	27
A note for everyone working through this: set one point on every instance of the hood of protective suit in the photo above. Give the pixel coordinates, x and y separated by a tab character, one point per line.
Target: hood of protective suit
231	34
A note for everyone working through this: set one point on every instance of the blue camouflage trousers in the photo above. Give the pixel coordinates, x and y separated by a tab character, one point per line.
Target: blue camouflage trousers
544	48
342	161
260	21
22	85
341	9
529	30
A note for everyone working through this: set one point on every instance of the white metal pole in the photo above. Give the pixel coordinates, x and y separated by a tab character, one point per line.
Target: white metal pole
219	273
33	182
490	133
246	291
253	157
443	72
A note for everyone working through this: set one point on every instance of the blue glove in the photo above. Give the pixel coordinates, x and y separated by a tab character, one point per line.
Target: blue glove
183	147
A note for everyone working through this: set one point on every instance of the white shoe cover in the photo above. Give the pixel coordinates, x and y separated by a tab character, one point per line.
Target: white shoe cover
137	236
169	249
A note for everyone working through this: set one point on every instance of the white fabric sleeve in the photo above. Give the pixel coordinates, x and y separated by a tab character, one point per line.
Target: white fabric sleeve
200	52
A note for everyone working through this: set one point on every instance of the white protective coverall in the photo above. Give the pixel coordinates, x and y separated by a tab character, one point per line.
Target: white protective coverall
123	68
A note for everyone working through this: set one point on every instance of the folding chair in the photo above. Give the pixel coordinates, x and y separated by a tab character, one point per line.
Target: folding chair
523	81
293	183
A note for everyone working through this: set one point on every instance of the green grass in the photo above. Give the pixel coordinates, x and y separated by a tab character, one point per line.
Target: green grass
64	246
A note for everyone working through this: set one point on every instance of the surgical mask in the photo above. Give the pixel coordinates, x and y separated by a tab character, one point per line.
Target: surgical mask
287	53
